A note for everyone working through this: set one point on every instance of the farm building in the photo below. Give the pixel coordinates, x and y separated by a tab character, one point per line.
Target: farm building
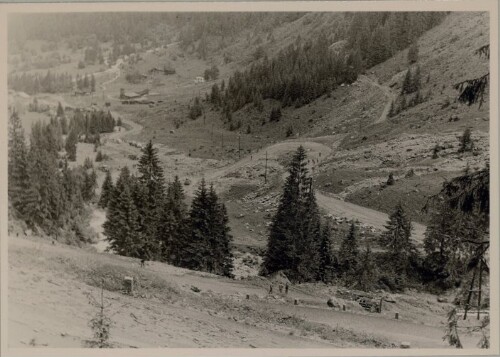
132	95
199	79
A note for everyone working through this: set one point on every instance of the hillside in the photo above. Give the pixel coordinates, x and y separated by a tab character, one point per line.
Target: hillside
352	108
164	311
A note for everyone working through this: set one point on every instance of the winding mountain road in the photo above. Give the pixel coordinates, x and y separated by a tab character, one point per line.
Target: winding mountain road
387	92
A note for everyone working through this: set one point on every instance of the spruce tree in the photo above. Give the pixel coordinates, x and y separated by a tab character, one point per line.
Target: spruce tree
348	254
121	227
173	223
326	258
149	196
60	111
309	238
466	143
367	270
294	238
397	240
19	181
407	83
222	258
106	190
413	53
89	185
71	141
195	252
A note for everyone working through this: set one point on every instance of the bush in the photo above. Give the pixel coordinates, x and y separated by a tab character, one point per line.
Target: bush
390	180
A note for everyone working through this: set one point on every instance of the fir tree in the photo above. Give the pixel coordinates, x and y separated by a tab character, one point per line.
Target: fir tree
413	53
348	254
326	257
106	190
466	144
149	196
367	270
397	240
59	111
71	141
89	185
407	83
18	182
222	258
173	223
195	251
294	239
121	227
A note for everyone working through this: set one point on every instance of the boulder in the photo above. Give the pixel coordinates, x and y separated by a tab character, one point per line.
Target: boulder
332	302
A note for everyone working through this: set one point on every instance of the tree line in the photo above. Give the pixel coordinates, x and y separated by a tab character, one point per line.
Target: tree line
43	190
302	246
306	70
149	219
33	83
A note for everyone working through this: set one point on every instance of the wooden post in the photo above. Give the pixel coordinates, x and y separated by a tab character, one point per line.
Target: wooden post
239	146
128	284
265	170
343	307
295	302
222	136
467	302
479	289
248	297
396	315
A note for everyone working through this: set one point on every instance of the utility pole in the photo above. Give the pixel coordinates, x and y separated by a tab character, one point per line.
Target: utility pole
265	170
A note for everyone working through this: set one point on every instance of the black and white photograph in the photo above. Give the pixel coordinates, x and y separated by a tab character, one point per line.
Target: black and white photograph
266	179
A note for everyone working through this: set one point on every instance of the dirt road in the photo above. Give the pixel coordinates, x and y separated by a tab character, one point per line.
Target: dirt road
365	215
387	92
48	307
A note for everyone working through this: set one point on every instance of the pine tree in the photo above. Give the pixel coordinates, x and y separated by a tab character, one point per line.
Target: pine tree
222	258
121	227
71	141
415	84
19	181
149	196
195	251
466	144
207	243
294	238
326	258
397	240
348	254
106	190
173	223
407	83
413	53
89	185
309	236
60	110
367	270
